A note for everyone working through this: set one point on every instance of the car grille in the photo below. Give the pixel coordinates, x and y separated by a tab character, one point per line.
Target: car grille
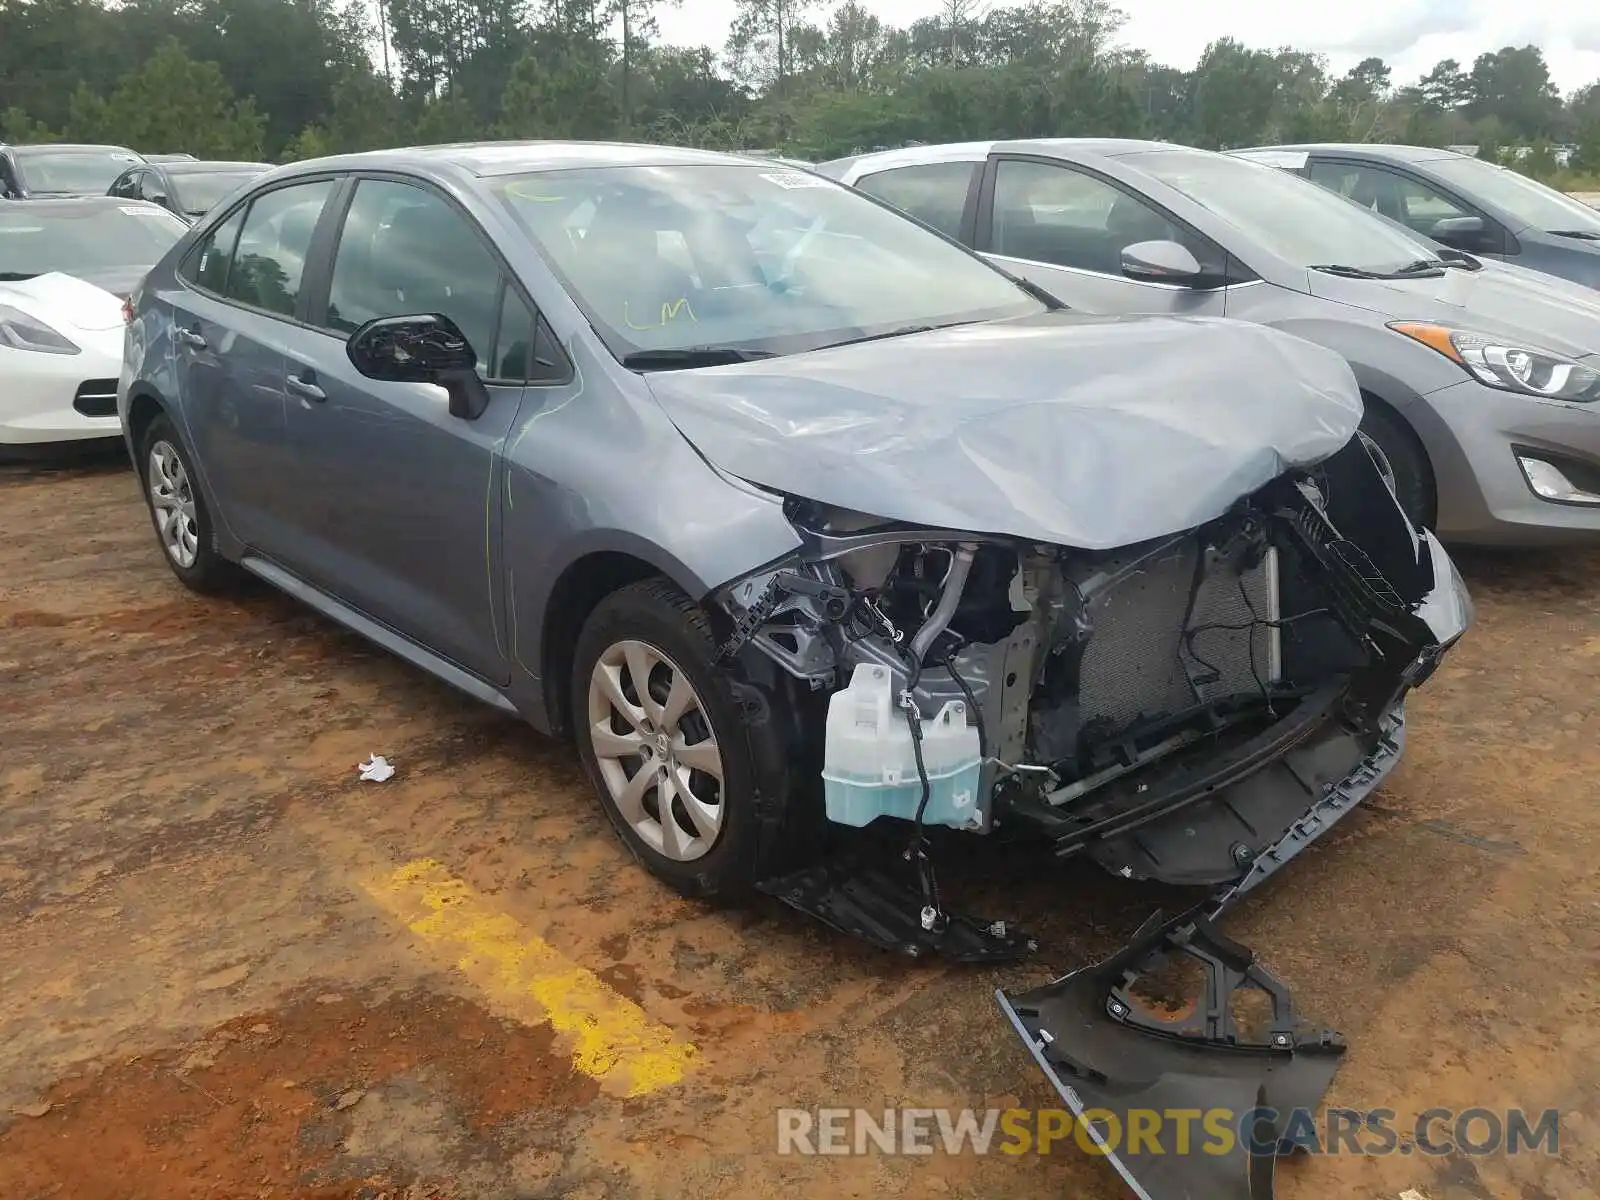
96	398
1135	661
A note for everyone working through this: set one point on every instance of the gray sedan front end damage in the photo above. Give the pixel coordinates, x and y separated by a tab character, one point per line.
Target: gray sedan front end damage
1175	630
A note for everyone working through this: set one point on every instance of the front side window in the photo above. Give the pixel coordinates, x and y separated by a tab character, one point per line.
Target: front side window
1052	214
127	186
83	237
753	257
934	193
404	251
1302	223
274	242
1526	199
75	172
1396	196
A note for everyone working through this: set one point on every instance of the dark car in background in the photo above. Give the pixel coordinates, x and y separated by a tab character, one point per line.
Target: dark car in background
1458	200
61	169
187	187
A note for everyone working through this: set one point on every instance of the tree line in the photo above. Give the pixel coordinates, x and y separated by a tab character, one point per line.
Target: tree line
285	79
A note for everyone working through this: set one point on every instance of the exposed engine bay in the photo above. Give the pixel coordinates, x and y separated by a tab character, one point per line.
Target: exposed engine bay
1196	709
1104	686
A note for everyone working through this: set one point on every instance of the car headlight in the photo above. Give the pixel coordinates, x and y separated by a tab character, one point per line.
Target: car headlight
1506	365
20	331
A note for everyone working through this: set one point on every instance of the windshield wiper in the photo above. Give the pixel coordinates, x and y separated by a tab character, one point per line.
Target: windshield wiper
1422	267
690	356
1034	290
1587	235
903	331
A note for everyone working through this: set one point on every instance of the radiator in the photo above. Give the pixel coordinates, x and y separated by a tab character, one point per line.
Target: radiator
1135	661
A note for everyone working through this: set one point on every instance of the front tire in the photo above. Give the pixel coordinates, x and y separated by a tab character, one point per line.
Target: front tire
1402	462
179	513
697	789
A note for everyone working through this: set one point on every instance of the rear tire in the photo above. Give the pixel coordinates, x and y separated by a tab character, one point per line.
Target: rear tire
695	783
1400	457
178	511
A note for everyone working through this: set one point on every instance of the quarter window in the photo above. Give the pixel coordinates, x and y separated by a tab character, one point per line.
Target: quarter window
934	193
1054	215
274	243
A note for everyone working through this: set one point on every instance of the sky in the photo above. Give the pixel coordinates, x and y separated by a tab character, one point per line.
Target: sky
1410	35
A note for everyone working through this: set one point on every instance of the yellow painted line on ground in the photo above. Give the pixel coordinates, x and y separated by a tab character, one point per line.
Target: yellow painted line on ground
612	1038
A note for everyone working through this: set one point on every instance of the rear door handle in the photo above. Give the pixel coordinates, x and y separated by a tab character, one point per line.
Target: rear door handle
306	388
192	338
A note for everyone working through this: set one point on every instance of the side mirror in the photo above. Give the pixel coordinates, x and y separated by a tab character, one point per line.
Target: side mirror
426	348
157	198
1161	262
1464	233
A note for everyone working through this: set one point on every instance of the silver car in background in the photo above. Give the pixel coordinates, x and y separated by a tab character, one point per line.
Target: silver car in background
1480	379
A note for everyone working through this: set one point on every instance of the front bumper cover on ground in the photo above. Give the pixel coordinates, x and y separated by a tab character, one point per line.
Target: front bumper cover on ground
1120	1070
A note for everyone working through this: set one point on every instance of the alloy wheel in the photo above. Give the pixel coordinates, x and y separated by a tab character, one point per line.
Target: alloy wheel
172	499
656	751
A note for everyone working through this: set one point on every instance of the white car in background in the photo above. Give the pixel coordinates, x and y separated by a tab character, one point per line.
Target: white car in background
65	268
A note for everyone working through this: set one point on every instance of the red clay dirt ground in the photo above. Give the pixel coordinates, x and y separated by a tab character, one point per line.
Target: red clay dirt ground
216	984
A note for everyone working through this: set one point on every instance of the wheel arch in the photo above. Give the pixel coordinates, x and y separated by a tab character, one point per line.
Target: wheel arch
1392	416
584	582
144	406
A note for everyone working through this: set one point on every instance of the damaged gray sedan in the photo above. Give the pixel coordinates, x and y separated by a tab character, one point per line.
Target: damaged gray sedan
802	520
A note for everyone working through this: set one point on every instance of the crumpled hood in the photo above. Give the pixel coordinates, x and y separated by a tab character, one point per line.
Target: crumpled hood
1540	310
1094	432
65	299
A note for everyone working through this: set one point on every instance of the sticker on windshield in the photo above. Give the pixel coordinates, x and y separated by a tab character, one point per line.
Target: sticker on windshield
124	158
138	210
796	179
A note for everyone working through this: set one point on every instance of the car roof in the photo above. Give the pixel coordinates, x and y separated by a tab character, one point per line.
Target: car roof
487	159
72	206
1382	151
1066	148
74	147
187	166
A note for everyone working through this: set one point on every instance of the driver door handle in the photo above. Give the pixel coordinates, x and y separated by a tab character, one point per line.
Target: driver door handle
191	338
306	387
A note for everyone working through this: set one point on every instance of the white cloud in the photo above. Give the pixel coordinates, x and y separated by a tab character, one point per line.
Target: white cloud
1410	35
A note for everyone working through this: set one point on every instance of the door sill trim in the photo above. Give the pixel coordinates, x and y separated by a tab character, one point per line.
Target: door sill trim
396	643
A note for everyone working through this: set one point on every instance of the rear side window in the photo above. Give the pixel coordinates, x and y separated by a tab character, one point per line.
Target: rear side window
207	264
270	258
934	193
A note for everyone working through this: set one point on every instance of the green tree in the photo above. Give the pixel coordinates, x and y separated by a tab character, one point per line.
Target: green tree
1513	86
759	41
560	88
172	103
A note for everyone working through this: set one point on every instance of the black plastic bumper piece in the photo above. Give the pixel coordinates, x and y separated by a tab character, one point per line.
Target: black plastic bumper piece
869	905
1210	1098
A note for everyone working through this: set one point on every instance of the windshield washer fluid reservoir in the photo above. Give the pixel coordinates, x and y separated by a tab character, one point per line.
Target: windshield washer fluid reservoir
869	767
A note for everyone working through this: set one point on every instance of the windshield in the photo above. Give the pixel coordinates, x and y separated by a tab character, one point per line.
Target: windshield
762	258
1528	201
83	172
199	192
1298	221
36	239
